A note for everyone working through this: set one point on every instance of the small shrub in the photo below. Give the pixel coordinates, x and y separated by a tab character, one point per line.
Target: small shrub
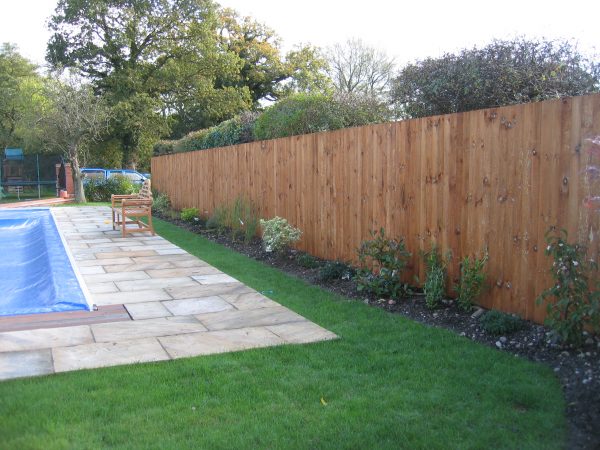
240	218
243	220
218	219
161	203
381	263
574	305
278	234
190	215
435	278
498	323
101	190
472	279
336	270
307	261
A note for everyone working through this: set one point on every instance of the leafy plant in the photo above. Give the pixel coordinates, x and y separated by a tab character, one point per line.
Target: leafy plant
309	113
503	72
239	217
498	323
435	278
307	261
190	215
471	283
161	203
278	234
574	305
100	190
381	263
218	219
243	219
336	270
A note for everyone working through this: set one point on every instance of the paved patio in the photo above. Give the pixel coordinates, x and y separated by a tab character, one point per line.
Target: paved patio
180	306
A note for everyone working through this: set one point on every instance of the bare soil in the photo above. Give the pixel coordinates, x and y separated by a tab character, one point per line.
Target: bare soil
577	369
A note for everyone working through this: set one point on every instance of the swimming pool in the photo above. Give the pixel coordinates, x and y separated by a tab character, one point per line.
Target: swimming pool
36	269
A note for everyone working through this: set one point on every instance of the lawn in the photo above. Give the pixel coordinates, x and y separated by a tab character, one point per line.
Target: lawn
386	383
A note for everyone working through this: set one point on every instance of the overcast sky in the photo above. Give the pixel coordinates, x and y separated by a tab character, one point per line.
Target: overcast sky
406	30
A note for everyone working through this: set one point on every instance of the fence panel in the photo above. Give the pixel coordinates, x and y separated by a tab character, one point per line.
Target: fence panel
493	179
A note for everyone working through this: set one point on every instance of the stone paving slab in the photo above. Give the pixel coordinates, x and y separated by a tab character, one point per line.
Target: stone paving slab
136	329
193	344
193	306
11	341
25	363
180	306
147	310
228	320
107	354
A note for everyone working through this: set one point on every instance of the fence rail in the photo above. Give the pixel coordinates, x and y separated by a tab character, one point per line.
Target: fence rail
493	179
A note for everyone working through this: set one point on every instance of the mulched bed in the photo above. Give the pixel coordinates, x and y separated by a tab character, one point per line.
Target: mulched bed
577	369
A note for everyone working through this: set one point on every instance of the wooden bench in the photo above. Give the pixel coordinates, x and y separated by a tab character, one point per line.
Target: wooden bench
130	209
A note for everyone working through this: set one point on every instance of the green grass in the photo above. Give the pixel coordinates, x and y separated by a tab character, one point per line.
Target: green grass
388	383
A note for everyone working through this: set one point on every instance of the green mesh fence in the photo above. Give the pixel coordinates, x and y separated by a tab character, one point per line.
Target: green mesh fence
26	177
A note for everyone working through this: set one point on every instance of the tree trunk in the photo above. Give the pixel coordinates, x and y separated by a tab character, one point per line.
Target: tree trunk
77	180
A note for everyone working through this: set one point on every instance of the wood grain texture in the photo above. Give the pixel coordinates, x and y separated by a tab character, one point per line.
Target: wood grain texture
493	179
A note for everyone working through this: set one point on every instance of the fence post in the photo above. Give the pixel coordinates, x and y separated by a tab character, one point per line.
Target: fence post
37	165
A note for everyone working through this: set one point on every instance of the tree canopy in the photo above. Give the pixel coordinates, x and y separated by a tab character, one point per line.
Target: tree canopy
174	65
17	75
501	73
356	68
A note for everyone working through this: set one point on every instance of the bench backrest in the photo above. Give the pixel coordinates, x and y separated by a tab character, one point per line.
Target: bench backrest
145	191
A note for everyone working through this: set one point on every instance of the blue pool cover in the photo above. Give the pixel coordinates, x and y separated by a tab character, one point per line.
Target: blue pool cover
36	274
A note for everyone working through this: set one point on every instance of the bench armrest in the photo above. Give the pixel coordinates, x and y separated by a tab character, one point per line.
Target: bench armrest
115	199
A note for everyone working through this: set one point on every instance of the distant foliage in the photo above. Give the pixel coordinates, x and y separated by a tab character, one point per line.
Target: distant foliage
278	235
498	323
382	261
502	73
571	304
472	281
163	147
101	190
191	141
298	114
294	115
230	132
311	113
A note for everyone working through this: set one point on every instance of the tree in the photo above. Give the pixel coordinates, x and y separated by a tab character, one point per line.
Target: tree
16	75
128	48
264	72
173	65
257	47
356	68
502	73
308	68
71	121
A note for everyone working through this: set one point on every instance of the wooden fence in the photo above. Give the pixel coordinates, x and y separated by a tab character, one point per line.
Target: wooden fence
493	179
